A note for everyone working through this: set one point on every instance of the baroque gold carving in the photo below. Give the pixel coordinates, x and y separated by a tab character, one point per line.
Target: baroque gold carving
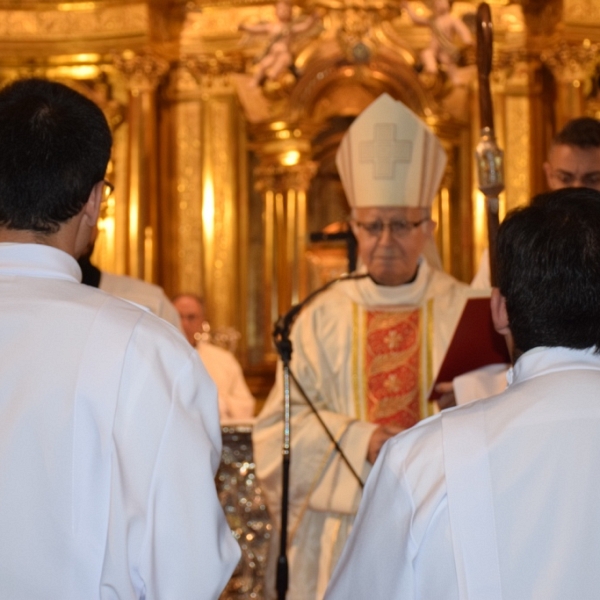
280	178
207	67
518	135
143	71
189	183
72	24
570	61
581	11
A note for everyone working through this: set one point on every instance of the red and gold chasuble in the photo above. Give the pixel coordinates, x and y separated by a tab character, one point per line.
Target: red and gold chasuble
392	351
388	365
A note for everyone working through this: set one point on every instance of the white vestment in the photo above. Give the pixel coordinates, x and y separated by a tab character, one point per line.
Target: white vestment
494	500
141	292
346	346
235	400
109	443
482	279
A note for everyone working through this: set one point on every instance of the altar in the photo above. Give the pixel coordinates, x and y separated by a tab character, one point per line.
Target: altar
244	505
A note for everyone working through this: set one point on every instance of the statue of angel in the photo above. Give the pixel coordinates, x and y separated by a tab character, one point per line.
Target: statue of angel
443	50
278	57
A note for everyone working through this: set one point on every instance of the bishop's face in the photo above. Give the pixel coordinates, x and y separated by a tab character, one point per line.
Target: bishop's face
390	241
571	166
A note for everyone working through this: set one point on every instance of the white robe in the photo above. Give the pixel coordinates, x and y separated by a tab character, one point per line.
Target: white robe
109	442
235	400
141	292
498	498
329	362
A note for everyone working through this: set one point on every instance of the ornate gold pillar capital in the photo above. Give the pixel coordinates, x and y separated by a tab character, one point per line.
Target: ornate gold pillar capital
143	71
279	178
206	67
571	61
571	64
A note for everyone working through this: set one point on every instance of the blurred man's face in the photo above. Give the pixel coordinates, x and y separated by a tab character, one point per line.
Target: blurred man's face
191	315
390	241
571	166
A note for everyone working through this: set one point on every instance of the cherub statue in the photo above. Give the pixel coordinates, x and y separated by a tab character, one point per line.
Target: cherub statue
446	29
278	55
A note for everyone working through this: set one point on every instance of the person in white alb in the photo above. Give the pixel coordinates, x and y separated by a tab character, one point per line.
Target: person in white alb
573	161
142	293
497	500
235	399
109	432
366	350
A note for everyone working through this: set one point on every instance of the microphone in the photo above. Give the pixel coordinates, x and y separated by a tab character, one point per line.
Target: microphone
281	338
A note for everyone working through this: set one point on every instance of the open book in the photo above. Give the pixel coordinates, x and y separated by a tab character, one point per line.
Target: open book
475	344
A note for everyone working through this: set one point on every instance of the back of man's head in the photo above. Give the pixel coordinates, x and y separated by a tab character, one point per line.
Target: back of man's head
54	147
583	132
549	270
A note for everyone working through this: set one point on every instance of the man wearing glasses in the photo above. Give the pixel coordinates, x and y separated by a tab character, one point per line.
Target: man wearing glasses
365	350
109	431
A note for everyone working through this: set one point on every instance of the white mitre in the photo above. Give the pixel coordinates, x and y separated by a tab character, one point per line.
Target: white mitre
389	157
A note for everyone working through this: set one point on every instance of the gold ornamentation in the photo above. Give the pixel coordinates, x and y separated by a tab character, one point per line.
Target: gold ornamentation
205	68
188	126
518	136
143	71
581	11
280	178
571	61
63	25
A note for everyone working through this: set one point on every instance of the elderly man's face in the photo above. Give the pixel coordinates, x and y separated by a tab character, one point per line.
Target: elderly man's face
191	315
390	241
571	166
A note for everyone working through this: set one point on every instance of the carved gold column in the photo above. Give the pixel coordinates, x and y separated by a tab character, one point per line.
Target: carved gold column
282	179
521	122
452	207
143	73
571	63
205	178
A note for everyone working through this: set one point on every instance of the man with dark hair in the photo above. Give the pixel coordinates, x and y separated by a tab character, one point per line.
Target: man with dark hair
573	161
574	156
99	400
497	499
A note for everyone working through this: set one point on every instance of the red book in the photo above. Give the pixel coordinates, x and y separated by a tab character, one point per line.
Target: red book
475	344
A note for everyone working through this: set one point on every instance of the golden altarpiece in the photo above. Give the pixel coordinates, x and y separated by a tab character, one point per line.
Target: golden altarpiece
221	175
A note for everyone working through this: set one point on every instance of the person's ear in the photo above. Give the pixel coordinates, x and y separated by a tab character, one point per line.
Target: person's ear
91	209
499	314
86	222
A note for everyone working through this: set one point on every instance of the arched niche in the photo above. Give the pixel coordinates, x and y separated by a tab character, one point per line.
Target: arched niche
327	98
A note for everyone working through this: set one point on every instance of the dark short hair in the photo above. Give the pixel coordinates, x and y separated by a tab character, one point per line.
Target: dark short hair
548	267
54	147
583	132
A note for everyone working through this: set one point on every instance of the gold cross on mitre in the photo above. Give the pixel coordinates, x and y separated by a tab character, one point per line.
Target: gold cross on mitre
384	151
389	157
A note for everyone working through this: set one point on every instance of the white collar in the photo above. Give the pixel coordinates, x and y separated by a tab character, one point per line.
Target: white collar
38	260
542	360
367	292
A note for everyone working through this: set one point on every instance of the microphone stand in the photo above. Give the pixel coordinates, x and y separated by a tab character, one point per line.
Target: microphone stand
283	344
